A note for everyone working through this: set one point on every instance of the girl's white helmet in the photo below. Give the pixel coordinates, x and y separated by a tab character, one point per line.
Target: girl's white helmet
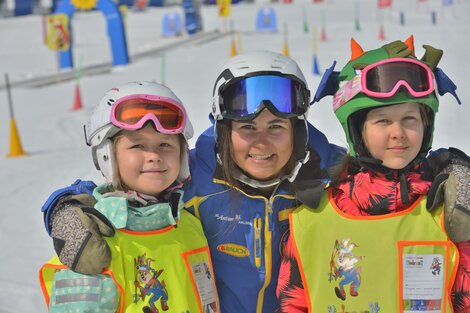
99	130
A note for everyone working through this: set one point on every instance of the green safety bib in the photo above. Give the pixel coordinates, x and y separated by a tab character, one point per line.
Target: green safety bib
168	269
399	262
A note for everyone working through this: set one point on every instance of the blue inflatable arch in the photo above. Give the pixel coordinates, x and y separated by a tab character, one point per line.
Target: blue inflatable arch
115	28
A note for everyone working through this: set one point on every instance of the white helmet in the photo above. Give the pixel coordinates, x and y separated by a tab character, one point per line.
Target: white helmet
259	63
99	130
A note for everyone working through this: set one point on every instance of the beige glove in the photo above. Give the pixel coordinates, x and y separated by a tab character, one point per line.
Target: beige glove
77	233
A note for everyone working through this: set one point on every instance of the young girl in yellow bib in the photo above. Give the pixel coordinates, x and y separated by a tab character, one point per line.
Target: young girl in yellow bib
376	243
160	257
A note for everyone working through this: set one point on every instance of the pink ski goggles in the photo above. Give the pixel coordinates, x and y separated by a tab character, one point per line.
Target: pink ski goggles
383	80
132	112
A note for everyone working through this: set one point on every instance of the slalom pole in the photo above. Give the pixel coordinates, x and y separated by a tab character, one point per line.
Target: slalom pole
16	149
316	68
163	69
305	20
381	27
239	41
233	47
77	101
323	31
357	19
285	49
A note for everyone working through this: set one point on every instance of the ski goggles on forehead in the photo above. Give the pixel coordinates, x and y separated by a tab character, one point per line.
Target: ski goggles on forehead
132	112
385	78
245	98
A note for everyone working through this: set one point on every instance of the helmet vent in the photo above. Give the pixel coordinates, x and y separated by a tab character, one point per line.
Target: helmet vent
278	64
110	102
105	158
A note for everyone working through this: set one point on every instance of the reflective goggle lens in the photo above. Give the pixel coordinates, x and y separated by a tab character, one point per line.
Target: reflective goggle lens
383	79
246	97
132	114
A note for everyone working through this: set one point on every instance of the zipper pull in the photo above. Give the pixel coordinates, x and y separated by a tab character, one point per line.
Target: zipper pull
257	224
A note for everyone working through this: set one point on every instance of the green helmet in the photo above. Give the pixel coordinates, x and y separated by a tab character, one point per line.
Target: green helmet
349	113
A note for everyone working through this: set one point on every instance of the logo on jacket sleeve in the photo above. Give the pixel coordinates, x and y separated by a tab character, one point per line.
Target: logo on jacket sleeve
234	250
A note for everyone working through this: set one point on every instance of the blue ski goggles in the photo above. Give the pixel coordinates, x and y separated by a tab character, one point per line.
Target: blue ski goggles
244	99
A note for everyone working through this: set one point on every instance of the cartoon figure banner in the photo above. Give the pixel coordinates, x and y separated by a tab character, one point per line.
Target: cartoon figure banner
224	7
58	37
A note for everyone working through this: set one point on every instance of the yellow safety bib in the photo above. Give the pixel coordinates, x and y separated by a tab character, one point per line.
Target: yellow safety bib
399	262
167	269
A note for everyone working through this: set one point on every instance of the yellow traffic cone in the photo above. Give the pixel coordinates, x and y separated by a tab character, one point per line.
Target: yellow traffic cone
16	150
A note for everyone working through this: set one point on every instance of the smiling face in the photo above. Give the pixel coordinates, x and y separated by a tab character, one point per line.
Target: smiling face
263	146
148	161
394	134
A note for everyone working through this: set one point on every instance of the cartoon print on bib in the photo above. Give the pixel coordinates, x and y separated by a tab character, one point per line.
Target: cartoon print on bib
343	265
436	266
148	284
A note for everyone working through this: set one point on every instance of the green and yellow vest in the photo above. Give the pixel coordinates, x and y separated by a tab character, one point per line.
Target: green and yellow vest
399	262
170	267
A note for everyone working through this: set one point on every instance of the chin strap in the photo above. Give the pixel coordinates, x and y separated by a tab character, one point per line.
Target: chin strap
238	175
298	164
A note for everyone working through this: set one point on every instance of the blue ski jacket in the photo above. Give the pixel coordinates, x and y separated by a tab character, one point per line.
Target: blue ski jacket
246	232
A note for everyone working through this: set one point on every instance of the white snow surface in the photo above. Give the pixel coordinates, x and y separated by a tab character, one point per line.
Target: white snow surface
52	134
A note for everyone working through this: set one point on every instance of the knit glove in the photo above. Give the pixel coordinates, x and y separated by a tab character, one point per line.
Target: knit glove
451	185
77	233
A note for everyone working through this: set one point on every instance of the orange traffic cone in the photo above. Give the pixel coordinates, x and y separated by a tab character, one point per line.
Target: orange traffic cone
77	102
16	150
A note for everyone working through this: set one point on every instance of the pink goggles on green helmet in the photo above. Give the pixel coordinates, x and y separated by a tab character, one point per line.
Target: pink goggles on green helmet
385	78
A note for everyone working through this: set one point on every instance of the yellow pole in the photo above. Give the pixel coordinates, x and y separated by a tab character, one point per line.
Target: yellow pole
285	49
233	46
314	40
239	42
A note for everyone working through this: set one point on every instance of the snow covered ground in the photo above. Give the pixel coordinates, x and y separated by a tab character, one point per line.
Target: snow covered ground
52	134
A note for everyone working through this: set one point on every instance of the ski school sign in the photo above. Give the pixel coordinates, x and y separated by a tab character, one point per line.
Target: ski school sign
115	28
58	37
